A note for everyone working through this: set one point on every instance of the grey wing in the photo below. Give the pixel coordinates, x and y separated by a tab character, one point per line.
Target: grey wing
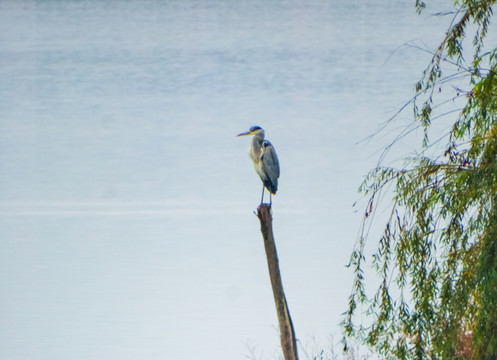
271	165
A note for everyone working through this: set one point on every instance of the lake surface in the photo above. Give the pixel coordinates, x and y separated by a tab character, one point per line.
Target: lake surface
126	201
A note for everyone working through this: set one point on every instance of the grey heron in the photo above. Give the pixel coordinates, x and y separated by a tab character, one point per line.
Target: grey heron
265	160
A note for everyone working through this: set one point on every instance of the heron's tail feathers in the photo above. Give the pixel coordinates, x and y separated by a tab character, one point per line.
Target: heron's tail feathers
272	187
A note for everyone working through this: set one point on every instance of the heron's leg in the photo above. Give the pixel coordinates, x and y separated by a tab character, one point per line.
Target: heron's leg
262	198
270	199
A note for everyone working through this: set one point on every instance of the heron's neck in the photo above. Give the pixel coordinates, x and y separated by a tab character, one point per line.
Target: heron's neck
257	147
257	140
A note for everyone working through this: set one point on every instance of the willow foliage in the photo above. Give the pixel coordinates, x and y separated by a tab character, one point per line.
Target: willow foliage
437	257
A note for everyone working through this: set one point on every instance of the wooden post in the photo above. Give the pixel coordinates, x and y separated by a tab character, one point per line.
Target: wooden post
287	334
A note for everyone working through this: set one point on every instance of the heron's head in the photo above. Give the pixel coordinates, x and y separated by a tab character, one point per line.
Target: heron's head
254	130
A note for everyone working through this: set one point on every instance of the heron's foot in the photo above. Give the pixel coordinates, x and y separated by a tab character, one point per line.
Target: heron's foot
264	205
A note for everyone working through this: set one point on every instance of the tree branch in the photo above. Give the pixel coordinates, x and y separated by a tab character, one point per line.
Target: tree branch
287	333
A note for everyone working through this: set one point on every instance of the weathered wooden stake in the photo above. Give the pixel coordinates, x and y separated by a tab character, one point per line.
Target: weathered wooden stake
287	334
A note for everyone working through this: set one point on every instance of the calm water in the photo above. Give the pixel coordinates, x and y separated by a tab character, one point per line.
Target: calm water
126	201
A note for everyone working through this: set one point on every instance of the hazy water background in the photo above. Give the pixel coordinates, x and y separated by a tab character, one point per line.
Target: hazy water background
126	200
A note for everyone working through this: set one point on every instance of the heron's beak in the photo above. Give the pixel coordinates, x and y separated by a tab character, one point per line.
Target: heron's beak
245	133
